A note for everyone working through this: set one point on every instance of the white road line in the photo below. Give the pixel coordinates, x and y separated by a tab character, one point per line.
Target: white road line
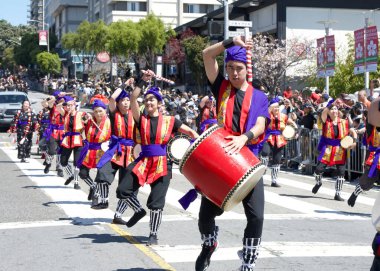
177	254
34	224
323	190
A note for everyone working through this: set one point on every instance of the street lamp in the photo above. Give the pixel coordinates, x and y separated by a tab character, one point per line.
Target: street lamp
43	28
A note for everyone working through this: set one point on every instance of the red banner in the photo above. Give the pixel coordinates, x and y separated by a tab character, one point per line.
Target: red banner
330	55
321	57
42	37
359	51
372	48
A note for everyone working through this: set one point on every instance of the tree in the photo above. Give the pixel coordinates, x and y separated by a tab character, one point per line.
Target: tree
49	62
154	36
123	39
173	52
25	53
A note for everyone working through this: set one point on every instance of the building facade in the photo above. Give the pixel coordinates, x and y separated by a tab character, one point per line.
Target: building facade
172	12
35	13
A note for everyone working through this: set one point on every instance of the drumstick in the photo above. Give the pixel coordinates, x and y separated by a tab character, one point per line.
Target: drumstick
247	35
96	125
160	78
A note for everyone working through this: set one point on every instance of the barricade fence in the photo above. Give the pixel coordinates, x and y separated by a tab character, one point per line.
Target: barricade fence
304	150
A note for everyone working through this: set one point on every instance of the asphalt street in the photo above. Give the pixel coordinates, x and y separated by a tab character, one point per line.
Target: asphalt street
48	226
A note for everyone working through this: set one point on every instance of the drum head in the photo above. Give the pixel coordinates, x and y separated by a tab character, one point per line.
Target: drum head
289	132
346	142
104	146
136	151
177	148
243	187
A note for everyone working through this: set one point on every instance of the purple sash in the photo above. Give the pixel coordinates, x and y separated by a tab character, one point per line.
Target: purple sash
48	131
45	121
115	145
151	151
20	123
207	122
323	143
375	161
86	147
273	132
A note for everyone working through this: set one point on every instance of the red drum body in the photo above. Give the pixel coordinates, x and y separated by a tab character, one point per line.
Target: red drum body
224	179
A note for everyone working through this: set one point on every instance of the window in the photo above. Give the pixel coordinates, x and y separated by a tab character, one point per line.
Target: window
197	8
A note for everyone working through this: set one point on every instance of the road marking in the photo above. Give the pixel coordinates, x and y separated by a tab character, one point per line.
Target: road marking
74	203
143	248
181	254
323	190
34	224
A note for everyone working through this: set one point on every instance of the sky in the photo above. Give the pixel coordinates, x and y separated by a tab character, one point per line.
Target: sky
14	11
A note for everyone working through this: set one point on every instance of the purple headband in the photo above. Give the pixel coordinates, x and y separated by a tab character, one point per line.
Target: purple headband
236	53
68	98
123	94
155	91
98	103
274	100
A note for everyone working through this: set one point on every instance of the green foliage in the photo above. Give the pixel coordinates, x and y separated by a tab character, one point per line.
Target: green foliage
154	36
123	39
193	48
8	58
25	54
49	62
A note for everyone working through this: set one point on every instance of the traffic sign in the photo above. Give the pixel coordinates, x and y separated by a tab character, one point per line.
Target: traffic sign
240	23
232	34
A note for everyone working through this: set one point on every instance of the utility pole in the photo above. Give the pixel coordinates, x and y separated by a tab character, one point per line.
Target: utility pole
226	22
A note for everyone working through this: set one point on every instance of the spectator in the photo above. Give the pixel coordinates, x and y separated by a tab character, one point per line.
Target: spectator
362	97
288	93
315	96
374	89
308	120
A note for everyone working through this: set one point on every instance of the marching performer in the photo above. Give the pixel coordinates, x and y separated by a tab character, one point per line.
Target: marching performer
243	111
54	133
276	141
97	131
24	124
372	164
207	114
119	154
152	166
330	152
72	141
43	120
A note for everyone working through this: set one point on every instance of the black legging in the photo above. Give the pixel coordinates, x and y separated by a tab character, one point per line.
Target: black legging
65	155
276	153
130	185
340	169
253	205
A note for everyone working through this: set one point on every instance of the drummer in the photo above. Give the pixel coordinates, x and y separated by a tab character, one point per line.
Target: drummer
331	153
372	165
97	131
243	111
151	167
276	141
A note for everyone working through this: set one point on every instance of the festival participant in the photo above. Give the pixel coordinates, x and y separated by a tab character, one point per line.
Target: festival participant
152	166
330	152
276	141
242	111
372	164
72	141
43	121
24	124
97	131
54	133
119	154
207	114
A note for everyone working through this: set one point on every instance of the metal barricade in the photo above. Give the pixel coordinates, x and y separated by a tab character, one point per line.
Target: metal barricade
356	158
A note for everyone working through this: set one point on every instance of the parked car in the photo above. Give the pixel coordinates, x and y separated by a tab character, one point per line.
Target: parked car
10	103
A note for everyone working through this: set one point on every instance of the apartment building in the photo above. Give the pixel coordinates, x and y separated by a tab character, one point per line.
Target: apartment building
172	12
35	13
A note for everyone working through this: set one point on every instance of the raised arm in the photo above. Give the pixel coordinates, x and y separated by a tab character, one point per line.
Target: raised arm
112	103
147	75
